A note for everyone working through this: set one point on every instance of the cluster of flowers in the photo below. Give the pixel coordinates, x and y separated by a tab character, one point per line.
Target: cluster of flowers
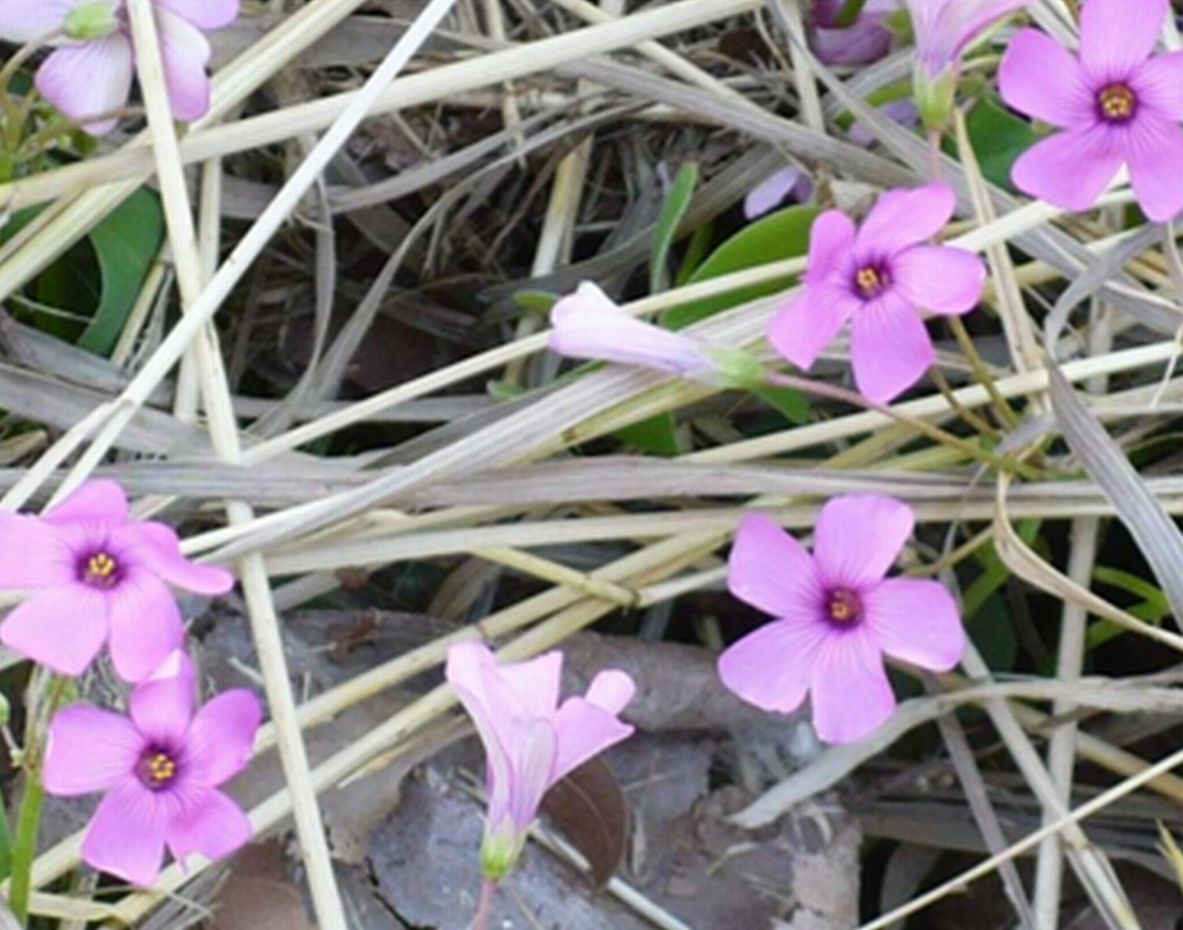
93	576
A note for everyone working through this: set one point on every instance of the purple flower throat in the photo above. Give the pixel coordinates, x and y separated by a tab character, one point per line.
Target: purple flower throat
100	570
1117	103
843	606
157	768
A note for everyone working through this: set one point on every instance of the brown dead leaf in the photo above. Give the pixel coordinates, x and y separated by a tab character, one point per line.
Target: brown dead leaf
590	809
260	894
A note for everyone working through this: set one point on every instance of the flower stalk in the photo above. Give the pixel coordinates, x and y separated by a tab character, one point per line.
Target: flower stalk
485	908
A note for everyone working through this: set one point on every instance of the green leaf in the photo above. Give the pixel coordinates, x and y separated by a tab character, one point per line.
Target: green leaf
656	436
672	214
998	138
792	404
774	238
126	244
993	633
696	251
1153	607
995	573
539	302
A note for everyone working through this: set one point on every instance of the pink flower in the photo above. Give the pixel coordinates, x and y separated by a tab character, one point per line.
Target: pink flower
94	574
866	40
769	194
1117	103
836	616
531	741
160	771
878	277
944	30
89	76
588	325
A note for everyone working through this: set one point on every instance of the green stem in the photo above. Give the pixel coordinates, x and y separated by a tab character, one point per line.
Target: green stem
981	372
28	825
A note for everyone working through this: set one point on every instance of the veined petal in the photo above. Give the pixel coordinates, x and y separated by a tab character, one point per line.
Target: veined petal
88	81
916	621
967	20
1070	169
185	52
32	20
1158	84
126	837
220	740
890	349
903	218
204	14
535	764
97	502
772	667
584	731
831	238
939	279
588	325
89	750
1041	78
35	554
1152	149
209	824
145	624
1118	35
465	672
811	321
859	537
62	627
771	571
162	704
849	688
156	547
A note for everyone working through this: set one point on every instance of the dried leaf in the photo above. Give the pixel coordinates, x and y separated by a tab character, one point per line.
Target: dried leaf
590	809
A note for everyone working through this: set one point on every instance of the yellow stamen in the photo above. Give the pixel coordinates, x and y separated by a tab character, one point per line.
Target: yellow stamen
101	566
869	281
844	606
161	769
1117	102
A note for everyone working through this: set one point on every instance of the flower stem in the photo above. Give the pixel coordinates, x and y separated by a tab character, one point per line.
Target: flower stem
28	824
485	908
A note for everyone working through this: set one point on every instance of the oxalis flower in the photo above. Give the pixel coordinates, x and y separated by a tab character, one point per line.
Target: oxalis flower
837	615
944	31
1117	104
879	277
589	325
160	770
88	76
95	575
531	741
865	40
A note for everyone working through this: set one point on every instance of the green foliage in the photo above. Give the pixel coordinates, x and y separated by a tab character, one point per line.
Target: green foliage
656	436
673	212
776	237
1152	605
998	138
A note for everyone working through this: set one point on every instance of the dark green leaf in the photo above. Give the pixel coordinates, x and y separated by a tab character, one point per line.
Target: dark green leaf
998	138
672	214
657	436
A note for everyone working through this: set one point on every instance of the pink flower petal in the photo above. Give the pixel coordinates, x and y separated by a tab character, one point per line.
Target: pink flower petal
89	750
88	81
24	21
157	548
537	755
35	555
529	689
100	502
588	325
222	737
1041	78
126	837
938	279
902	218
162	704
204	14
186	53
916	621
831	238
63	628
850	692
1158	85
768	194
465	672
771	571
770	668
810	322
859	537
584	731
145	624
890	350
864	42
611	690
1152	147
1069	169
1117	35
210	825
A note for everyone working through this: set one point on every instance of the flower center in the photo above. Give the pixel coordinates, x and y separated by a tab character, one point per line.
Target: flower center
844	606
156	769
1117	103
101	570
871	281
